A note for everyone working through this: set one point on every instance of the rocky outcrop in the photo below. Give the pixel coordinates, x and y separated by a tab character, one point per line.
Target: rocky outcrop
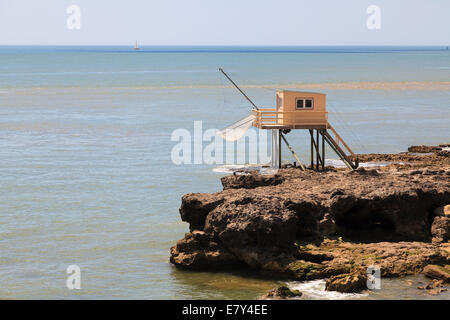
277	224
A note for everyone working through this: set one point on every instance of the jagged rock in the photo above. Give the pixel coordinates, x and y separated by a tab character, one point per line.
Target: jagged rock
353	282
197	251
250	181
327	226
437	272
282	293
444	249
443	153
364	171
196	206
423	149
440	229
443	211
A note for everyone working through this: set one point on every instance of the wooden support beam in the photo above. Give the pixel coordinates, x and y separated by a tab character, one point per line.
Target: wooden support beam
323	151
279	148
318	160
292	151
312	149
314	144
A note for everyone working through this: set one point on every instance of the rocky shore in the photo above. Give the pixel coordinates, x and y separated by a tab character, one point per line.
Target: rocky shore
297	225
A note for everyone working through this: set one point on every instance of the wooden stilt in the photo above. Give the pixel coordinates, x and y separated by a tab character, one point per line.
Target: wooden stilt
315	144
317	150
312	149
279	148
323	151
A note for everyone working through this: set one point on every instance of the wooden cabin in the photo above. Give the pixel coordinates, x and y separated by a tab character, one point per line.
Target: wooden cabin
294	110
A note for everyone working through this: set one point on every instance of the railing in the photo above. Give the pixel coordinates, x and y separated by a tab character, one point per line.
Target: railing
272	117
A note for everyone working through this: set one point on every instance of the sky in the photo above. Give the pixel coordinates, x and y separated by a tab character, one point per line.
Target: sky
224	22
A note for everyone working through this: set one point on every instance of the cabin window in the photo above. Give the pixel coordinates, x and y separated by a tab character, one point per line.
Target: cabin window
304	103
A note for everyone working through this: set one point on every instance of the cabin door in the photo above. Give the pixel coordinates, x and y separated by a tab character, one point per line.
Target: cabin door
279	110
279	103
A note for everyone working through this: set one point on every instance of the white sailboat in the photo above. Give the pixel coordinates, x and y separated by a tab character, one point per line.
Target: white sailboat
136	47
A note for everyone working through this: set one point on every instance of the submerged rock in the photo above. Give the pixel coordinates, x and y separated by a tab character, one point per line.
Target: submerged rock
282	293
435	287
437	272
348	283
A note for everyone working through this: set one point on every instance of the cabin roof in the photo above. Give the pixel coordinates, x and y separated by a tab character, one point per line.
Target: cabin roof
302	92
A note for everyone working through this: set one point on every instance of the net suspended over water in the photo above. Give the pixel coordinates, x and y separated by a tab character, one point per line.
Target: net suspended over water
237	129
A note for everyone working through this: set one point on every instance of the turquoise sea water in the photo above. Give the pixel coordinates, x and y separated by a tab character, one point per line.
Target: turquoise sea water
86	173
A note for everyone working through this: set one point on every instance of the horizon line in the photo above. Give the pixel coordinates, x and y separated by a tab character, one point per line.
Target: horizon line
232	45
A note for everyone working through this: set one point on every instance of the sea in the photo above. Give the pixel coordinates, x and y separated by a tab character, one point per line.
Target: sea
87	137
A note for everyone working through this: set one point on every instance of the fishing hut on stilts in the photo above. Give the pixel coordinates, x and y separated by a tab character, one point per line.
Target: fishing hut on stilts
295	110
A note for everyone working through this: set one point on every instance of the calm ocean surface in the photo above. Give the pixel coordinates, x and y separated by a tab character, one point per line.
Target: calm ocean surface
85	151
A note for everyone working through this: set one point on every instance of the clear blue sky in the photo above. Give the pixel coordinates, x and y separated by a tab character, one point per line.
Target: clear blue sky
225	22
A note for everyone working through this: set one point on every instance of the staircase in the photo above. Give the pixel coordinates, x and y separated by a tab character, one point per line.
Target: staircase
338	145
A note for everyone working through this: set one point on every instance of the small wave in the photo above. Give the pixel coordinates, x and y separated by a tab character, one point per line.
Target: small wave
247	168
315	290
235	168
340	164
